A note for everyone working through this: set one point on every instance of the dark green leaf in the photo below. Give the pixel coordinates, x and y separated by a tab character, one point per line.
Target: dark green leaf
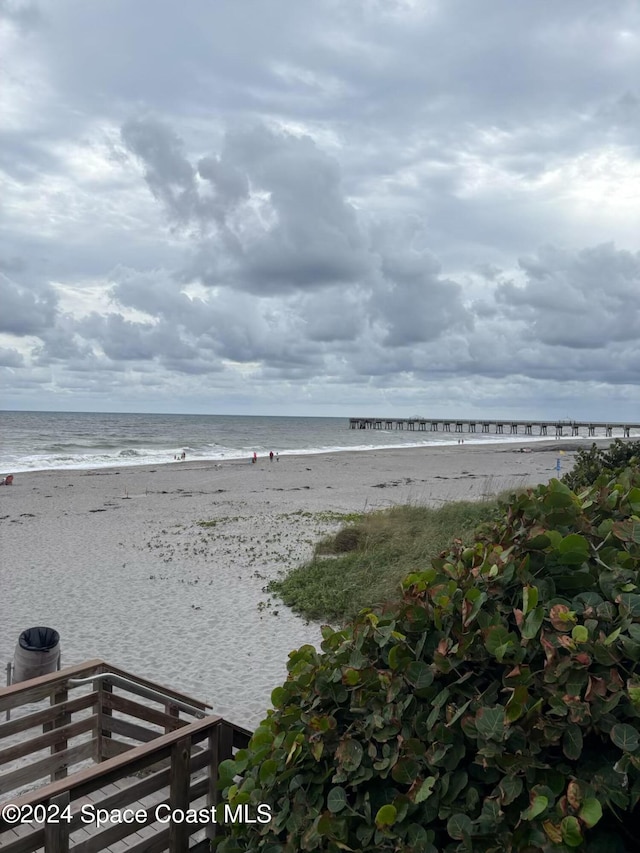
349	754
625	737
490	723
405	771
419	674
510	789
336	799
532	623
572	742
459	826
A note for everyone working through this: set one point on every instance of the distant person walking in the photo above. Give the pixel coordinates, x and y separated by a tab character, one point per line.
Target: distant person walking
271	456
255	457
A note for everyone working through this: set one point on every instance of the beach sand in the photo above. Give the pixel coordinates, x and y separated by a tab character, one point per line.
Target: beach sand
115	560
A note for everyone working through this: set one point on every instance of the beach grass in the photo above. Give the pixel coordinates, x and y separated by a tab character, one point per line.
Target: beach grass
363	564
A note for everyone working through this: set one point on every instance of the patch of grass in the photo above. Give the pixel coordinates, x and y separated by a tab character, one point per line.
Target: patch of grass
327	515
215	521
363	564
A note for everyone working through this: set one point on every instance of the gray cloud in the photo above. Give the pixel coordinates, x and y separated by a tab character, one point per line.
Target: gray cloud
26	310
294	230
379	202
582	300
11	358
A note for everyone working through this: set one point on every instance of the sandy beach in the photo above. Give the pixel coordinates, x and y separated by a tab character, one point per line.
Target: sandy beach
120	562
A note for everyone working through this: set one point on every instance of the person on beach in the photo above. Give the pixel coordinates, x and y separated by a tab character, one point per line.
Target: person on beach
271	456
255	457
183	456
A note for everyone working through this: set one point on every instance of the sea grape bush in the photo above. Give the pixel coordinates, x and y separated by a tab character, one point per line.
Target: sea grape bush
592	463
495	708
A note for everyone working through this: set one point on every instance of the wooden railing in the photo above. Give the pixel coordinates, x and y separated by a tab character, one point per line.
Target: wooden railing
178	746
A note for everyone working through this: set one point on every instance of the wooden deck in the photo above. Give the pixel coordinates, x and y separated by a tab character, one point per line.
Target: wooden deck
144	837
171	761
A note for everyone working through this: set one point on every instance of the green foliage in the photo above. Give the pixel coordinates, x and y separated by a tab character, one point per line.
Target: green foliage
495	708
369	558
595	462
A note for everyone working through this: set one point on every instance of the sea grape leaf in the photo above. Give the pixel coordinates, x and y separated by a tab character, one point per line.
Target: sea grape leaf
580	634
625	737
336	799
562	618
538	804
539	542
419	674
591	812
532	623
631	601
572	742
425	790
515	706
386	816
490	723
510	789
459	826
571	833
349	754
574	543
627	531
405	771
498	637
529	598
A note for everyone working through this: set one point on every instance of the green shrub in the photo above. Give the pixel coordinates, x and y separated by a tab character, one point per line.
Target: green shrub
495	708
592	463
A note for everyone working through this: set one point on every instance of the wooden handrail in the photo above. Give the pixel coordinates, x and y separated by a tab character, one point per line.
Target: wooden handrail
88	780
25	692
154	685
34	689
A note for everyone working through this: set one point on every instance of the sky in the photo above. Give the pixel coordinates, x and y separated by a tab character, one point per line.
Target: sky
321	207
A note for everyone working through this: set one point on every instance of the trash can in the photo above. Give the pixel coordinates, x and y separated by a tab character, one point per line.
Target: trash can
37	653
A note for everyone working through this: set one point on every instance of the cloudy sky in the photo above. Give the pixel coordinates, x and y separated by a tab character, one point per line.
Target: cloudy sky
321	207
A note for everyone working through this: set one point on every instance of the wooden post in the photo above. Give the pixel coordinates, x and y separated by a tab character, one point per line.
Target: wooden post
58	696
103	712
56	835
179	793
213	795
8	714
172	711
221	746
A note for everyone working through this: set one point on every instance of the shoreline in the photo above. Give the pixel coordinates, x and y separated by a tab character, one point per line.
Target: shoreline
162	569
568	444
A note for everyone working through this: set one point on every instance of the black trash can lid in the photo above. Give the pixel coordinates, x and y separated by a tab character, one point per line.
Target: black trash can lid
39	639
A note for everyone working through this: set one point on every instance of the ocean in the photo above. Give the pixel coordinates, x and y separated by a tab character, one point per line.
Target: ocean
31	441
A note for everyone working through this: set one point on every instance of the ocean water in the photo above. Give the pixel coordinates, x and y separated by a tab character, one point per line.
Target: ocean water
31	441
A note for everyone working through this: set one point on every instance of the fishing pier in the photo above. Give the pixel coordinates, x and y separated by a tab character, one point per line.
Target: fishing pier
498	427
